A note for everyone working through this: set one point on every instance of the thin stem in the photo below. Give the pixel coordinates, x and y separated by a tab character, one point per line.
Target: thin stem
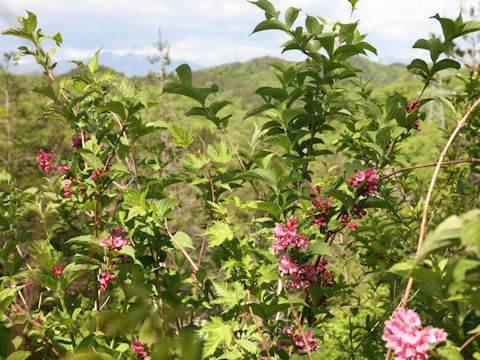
195	267
297	319
34	324
257	326
453	162
469	341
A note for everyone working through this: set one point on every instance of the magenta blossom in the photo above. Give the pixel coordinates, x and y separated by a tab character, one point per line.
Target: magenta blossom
46	162
139	349
288	236
404	336
114	241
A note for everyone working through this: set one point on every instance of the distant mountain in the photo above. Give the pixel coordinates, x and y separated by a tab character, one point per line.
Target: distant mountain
129	64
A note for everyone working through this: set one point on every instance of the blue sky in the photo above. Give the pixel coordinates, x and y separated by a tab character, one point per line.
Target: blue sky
211	32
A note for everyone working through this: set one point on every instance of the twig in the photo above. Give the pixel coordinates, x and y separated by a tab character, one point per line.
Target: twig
34	324
426	165
257	326
195	267
297	319
469	341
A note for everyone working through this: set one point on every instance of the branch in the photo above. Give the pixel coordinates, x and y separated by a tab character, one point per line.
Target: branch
297	319
426	165
469	341
195	267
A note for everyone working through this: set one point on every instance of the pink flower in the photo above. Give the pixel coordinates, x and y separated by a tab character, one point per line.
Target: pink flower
63	168
369	176
404	336
312	343
114	241
57	271
288	236
106	277
303	275
46	162
139	349
352	226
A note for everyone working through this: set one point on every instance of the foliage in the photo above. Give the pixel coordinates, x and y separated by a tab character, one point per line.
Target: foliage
147	240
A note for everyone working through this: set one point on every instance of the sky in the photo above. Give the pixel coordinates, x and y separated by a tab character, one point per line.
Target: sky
212	32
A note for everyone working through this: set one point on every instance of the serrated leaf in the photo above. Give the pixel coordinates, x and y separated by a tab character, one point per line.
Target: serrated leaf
182	138
166	206
218	332
219	233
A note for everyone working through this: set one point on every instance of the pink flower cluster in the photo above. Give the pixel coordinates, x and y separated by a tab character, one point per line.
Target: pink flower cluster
304	274
404	336
97	173
114	241
322	204
139	349
57	271
358	210
312	343
106	277
46	162
369	176
412	106
288	235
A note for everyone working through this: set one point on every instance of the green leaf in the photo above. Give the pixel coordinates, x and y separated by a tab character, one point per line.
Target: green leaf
115	107
218	332
313	26
291	15
219	233
247	345
266	6
449	353
182	138
320	248
175	87
270	25
353	2
84	239
6	297
184	240
184	74
419	273
228	295
90	158
419	64
166	206
445	64
446	234
19	32
260	174
19	355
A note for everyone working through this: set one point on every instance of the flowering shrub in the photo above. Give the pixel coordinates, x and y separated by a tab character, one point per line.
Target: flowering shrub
188	248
